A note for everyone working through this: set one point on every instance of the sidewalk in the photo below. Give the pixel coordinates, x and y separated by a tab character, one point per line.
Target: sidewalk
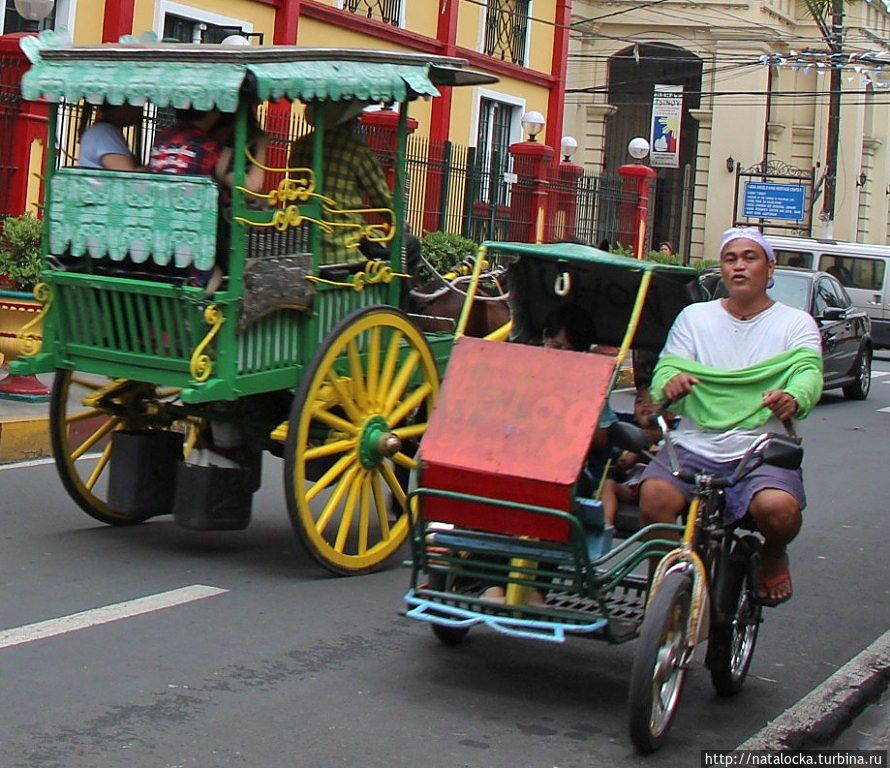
24	428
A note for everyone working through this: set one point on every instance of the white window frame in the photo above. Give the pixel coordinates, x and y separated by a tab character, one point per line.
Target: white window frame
504	98
165	7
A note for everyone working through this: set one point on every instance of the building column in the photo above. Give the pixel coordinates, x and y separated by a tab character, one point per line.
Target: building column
595	136
700	185
287	18
118	20
737	133
558	68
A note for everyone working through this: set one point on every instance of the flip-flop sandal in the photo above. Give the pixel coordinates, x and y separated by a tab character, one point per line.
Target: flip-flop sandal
768	585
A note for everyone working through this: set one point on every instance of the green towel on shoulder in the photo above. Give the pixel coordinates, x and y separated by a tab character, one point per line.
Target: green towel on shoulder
726	400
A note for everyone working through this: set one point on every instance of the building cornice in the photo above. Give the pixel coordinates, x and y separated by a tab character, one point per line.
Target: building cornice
703	116
600	111
870	145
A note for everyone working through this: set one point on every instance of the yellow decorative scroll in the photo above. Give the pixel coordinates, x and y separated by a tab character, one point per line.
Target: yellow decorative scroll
300	190
29	343
373	272
200	365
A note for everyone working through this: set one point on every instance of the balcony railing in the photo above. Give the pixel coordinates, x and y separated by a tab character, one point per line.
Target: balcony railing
387	11
506	30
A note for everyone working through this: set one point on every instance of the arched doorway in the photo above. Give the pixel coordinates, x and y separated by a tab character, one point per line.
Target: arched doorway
633	74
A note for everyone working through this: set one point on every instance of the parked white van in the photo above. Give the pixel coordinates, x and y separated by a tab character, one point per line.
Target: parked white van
864	270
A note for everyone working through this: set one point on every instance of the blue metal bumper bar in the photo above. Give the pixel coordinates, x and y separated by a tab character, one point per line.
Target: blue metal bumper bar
536	629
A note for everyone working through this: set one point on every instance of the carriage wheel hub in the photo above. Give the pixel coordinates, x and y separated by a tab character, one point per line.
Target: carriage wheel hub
377	442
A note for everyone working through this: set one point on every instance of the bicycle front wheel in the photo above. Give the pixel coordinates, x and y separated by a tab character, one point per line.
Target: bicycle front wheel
659	667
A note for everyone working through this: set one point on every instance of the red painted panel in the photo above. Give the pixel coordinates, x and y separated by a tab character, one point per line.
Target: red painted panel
512	422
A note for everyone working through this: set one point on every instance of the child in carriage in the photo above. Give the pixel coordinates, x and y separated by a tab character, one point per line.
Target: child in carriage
622	486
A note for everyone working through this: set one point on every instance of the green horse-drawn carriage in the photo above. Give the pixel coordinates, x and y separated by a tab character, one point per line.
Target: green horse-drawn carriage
310	360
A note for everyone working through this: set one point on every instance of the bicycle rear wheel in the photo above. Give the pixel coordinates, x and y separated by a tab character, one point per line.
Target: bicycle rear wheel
734	632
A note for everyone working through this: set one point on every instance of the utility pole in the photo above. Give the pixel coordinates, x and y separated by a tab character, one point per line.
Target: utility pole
835	41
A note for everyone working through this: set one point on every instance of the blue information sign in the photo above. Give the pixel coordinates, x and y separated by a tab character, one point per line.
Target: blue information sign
764	200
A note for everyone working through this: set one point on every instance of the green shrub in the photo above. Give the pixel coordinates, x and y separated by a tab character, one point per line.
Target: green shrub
444	251
20	259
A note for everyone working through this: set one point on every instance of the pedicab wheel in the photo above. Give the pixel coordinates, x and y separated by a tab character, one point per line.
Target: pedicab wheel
659	667
81	427
359	405
731	644
448	636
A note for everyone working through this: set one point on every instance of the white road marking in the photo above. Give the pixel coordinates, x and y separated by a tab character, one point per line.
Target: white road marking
42	462
106	614
884	410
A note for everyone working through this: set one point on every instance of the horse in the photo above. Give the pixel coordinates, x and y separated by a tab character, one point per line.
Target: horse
436	304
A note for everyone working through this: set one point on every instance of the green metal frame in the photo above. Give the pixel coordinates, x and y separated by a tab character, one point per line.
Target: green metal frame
154	331
490	558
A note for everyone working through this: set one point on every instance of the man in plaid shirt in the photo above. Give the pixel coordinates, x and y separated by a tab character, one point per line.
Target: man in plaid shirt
351	176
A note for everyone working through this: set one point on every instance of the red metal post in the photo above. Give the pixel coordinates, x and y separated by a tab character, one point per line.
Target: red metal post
633	214
118	20
532	162
440	120
382	135
564	202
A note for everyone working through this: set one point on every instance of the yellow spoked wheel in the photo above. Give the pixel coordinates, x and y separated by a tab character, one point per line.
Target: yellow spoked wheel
84	412
354	427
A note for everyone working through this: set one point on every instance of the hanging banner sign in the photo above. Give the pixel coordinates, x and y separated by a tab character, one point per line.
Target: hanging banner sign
667	112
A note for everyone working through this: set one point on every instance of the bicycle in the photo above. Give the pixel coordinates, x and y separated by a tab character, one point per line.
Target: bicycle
714	565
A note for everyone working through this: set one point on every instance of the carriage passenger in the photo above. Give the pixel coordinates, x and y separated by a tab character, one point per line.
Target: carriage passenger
102	145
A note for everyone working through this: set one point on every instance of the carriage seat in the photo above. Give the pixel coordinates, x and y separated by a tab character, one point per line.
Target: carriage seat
134	219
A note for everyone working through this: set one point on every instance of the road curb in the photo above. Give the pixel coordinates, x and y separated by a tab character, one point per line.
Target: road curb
823	713
24	439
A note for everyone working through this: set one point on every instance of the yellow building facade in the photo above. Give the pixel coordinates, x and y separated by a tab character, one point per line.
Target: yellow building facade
503	37
755	80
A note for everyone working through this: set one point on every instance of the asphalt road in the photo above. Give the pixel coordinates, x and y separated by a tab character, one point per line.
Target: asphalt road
290	667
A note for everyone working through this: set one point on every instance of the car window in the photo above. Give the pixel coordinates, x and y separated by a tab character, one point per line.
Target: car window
854	272
839	295
794	258
825	297
791	289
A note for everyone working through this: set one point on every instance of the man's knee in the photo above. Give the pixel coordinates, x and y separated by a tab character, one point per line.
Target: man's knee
660	502
777	514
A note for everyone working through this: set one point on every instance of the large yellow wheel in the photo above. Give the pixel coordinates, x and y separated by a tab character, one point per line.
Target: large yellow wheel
84	411
355	423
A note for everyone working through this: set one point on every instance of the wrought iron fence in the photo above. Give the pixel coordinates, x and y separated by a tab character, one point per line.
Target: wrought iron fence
387	11
449	187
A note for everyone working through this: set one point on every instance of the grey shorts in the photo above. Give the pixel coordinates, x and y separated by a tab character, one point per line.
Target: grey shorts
738	498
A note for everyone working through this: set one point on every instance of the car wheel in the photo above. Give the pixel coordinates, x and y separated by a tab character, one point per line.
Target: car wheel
860	387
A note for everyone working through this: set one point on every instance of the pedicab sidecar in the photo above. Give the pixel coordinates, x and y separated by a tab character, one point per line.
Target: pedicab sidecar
502	499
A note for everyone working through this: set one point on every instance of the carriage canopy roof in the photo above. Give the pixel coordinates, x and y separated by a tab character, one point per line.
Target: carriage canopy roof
186	75
605	285
581	255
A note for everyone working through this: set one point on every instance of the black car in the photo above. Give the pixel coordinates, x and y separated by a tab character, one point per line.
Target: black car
846	330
